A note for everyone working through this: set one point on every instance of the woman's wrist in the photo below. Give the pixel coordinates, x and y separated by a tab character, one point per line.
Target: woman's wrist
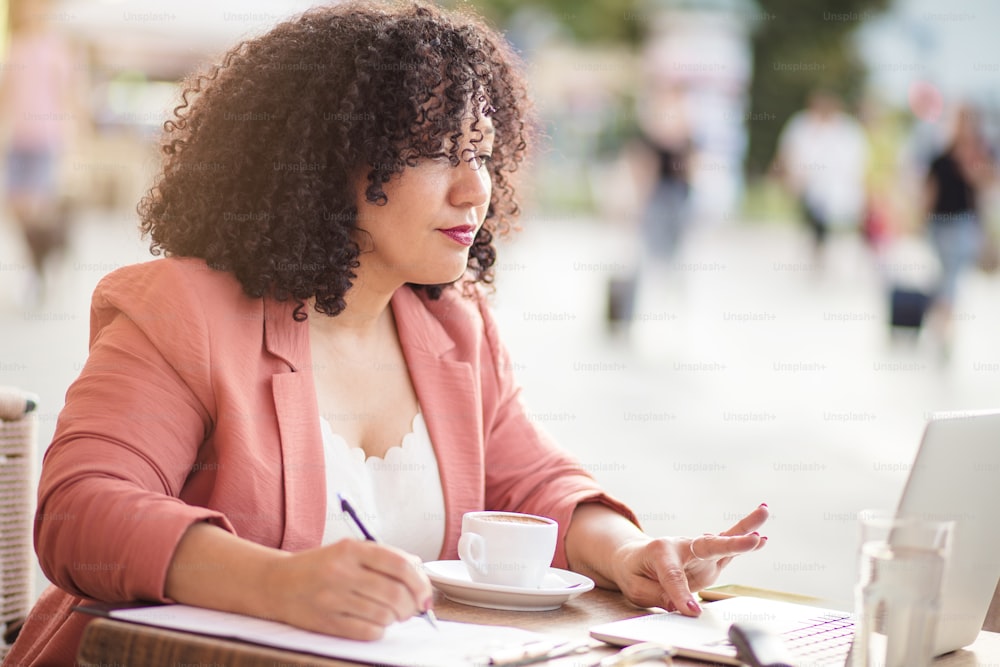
598	540
271	595
213	568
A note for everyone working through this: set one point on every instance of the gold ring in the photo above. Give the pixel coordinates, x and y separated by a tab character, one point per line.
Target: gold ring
691	547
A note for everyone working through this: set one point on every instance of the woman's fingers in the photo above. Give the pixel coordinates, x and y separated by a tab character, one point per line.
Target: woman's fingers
395	564
392	601
751	522
352	589
649	592
696	563
661	578
351	627
675	590
663	572
710	547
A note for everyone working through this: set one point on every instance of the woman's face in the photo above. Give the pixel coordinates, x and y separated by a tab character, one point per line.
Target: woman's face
423	233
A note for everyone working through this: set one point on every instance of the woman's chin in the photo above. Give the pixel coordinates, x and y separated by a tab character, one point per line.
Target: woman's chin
452	274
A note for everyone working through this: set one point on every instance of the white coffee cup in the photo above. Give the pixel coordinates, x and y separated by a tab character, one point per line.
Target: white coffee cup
507	548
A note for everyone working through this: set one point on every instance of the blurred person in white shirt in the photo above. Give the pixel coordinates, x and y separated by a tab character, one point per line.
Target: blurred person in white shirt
822	159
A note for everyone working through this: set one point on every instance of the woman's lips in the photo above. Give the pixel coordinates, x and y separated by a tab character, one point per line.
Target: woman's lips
463	235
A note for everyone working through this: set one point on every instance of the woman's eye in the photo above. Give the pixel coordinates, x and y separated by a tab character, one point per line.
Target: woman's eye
478	161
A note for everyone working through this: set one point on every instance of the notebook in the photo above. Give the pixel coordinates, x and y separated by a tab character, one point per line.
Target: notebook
411	643
954	476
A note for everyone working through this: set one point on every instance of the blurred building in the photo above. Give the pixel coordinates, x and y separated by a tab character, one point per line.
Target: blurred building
129	59
951	46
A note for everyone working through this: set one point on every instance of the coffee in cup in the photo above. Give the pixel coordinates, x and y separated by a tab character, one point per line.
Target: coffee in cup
510	517
507	548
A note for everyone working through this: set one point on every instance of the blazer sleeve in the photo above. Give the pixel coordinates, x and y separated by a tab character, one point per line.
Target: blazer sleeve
109	517
526	471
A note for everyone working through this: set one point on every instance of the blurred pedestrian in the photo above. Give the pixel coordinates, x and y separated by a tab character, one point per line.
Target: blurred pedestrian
659	157
822	158
37	116
665	134
956	177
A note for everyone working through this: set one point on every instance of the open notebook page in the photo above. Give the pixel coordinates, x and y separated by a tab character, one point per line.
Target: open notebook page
413	643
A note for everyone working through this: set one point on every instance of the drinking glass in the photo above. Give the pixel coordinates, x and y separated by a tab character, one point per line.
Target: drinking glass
897	598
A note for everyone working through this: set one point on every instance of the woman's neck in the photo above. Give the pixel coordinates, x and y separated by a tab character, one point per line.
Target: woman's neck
366	311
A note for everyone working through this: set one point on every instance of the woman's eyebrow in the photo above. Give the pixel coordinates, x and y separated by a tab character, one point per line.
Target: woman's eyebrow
486	131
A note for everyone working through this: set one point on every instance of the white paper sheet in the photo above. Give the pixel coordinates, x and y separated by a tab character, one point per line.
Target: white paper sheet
413	643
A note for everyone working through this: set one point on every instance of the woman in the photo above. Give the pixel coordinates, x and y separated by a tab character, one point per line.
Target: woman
38	113
954	180
323	192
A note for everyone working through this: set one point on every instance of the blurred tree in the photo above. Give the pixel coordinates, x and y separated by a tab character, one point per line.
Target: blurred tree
799	47
3	26
589	21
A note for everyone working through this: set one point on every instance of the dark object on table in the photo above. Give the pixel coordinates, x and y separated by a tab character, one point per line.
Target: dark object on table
757	646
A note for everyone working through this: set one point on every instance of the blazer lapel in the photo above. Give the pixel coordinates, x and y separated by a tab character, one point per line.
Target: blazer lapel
302	461
449	400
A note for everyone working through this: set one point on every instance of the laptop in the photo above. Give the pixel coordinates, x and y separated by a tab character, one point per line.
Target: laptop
955	475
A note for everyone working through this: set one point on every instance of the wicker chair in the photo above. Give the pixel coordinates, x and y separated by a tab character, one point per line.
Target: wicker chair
18	434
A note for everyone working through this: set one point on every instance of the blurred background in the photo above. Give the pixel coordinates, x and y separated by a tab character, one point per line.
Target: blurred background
757	249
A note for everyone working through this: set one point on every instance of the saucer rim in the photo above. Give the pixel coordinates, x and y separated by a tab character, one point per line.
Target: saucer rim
586	583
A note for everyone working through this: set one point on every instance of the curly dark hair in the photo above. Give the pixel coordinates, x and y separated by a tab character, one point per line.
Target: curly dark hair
263	150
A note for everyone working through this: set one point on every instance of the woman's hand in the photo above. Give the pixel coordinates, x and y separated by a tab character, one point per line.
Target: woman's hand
663	572
351	588
655	572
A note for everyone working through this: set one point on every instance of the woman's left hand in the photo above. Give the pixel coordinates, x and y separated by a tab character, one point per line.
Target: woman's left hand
663	572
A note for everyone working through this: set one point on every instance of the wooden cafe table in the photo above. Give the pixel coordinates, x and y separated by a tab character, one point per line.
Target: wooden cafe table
107	642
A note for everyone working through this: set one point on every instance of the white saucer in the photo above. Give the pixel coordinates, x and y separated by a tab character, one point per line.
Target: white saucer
558	586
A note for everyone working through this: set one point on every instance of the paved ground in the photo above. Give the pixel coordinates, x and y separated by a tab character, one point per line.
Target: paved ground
748	378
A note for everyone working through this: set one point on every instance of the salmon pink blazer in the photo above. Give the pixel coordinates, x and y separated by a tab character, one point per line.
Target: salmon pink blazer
197	403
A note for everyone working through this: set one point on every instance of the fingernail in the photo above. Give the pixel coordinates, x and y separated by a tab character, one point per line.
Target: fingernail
755	533
428	603
693	606
763	504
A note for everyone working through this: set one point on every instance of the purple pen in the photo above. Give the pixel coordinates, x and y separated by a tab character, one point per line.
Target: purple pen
349	509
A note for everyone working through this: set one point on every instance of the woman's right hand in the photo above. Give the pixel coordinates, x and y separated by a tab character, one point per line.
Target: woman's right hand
350	588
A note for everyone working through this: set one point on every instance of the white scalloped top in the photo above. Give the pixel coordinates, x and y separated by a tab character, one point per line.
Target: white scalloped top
398	497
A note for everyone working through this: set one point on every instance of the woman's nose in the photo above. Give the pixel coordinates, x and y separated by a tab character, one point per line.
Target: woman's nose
472	185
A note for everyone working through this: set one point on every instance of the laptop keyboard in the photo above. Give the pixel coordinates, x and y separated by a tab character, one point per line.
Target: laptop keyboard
823	641
826	641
